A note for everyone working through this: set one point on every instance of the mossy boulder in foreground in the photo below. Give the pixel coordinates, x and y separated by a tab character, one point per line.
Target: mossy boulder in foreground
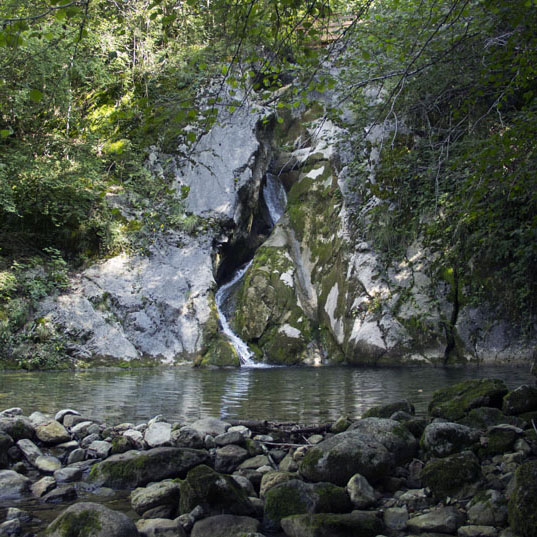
523	501
137	468
454	402
354	524
88	519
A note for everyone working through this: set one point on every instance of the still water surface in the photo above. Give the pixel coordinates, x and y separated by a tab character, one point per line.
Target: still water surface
301	394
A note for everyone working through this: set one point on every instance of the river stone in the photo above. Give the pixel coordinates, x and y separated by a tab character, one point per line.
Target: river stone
396	438
29	450
454	402
10	528
484	417
522	399
522	505
60	415
296	497
5	443
395	518
13	485
158	434
273	478
338	458
187	437
246	485
154	495
478	531
19	514
11	412
136	437
501	439
135	469
68	475
52	432
229	457
212	426
160	527
70	420
38	418
225	526
47	464
386	411
99	449
455	476
361	493
62	493
91	519
230	437
89	439
356	523
441	520
487	508
443	439
18	427
77	455
215	493
44	485
80	430
255	463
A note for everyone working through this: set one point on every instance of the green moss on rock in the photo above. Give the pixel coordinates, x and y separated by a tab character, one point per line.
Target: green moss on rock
522	505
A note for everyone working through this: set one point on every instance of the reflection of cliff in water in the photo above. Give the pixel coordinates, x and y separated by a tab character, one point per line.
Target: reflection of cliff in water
184	394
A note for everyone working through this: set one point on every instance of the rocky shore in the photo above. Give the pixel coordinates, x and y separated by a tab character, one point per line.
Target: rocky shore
468	469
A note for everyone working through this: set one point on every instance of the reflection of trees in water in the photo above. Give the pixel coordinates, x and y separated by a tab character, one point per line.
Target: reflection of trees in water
306	395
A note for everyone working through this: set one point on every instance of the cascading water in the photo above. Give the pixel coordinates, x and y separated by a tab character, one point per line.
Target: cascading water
222	296
275	200
275	197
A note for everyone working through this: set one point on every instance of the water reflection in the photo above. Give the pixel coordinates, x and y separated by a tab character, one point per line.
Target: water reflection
308	395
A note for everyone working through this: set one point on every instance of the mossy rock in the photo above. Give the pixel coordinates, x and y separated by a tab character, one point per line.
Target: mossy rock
17	428
220	353
5	443
521	400
354	524
386	411
522	506
136	469
454	402
485	417
216	493
454	476
88	519
500	439
296	497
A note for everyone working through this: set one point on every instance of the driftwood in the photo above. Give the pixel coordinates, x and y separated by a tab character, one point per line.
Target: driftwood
286	428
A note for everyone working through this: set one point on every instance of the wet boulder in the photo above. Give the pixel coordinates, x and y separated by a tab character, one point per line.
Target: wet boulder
5	443
229	457
440	520
225	526
454	402
13	485
212	426
396	438
521	400
160	527
443	439
134	468
296	497
487	508
522	505
164	493
454	476
484	417
52	432
17	427
273	478
501	439
362	523
93	519
216	493
338	458
361	493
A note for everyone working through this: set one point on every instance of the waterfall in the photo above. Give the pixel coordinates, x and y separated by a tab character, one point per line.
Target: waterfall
275	197
222	296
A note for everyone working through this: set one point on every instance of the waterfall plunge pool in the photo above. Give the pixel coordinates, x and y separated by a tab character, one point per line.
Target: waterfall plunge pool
183	394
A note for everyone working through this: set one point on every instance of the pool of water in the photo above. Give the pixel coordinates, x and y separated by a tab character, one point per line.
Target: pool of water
301	394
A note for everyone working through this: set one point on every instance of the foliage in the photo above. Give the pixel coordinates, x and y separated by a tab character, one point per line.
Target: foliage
454	84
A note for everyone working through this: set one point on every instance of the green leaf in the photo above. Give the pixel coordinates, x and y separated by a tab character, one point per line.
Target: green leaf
36	96
191	137
5	133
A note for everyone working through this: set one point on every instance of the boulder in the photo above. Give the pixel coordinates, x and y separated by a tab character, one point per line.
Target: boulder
187	437
225	526
158	434
154	495
60	415
29	450
99	449
522	399
484	417
5	443
456	475
443	439
271	479
134	469
454	402
52	432
68	474
13	485
396	438
386	411
501	439
440	520
212	426
361	493
44	485
17	427
160	527
47	464
216	493
229	457
296	497
356	523
86	518
62	493
338	458
487	508
522	505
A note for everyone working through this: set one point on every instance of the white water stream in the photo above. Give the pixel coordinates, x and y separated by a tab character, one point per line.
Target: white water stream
275	200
